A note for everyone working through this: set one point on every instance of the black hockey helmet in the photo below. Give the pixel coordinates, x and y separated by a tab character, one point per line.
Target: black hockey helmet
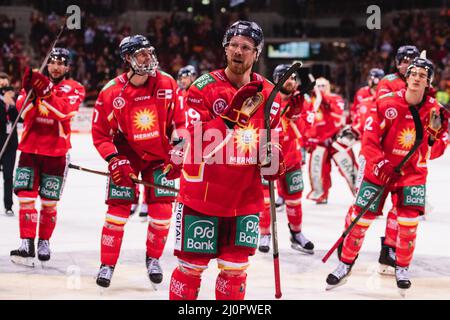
376	74
187	71
279	71
248	29
407	51
130	46
61	54
422	63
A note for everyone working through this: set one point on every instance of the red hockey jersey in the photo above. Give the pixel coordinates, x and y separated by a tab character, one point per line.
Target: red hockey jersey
328	118
144	115
360	95
221	174
392	135
390	83
46	122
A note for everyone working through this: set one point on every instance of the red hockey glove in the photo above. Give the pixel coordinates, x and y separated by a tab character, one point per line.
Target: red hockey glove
274	167
26	79
243	104
295	106
121	171
311	144
385	172
438	124
172	168
42	86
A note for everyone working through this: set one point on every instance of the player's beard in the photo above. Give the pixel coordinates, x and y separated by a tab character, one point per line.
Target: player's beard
239	68
288	88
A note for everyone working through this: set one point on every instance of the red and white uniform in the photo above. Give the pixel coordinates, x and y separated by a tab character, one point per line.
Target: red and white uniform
290	185
136	122
390	83
221	193
391	136
44	143
327	123
360	95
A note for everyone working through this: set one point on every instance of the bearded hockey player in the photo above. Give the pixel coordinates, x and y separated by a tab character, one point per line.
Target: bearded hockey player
298	116
386	142
44	145
217	210
131	129
319	142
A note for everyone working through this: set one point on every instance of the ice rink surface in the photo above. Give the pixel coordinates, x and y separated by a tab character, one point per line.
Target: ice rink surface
75	245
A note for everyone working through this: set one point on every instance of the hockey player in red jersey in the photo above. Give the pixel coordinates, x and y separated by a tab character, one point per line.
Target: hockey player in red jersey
44	145
396	81
220	186
386	141
297	116
131	129
329	119
374	77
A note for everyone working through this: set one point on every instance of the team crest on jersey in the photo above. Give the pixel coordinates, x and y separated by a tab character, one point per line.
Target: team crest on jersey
118	103
391	113
407	137
219	106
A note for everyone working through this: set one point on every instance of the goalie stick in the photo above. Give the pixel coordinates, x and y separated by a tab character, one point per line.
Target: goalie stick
267	108
419	137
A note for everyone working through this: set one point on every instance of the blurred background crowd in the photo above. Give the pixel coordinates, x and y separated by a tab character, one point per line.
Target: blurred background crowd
193	35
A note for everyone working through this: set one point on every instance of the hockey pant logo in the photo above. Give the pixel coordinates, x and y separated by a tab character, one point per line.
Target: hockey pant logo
247	231
51	187
200	234
347	167
294	182
316	164
360	175
366	192
160	179
120	193
414	195
178	225
24	178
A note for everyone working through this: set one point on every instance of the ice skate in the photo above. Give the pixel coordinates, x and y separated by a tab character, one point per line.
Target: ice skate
300	243
154	271
264	243
143	214
43	251
279	203
386	260
25	254
104	275
402	278
133	209
339	276
9	212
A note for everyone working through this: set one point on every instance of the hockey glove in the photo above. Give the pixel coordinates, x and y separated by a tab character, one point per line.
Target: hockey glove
121	171
244	104
295	106
26	79
385	172
438	124
347	136
173	166
272	166
42	86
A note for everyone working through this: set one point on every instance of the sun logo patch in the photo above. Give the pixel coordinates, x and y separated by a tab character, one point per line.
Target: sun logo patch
407	138
144	120
246	139
43	111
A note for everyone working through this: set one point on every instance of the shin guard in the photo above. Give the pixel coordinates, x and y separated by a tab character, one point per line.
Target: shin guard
112	235
406	240
184	285
230	286
47	219
390	239
158	228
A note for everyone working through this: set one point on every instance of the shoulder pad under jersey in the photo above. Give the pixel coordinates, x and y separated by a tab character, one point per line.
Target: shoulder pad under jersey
202	81
165	74
391	77
387	95
109	84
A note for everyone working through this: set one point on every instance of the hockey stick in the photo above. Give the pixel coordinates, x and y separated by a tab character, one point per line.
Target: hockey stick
24	105
376	195
135	180
267	108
